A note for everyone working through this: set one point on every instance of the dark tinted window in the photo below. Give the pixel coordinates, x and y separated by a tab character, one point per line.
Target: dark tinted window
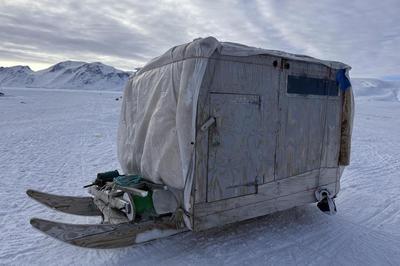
312	86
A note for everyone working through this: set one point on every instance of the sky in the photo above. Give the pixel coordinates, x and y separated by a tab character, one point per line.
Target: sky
126	34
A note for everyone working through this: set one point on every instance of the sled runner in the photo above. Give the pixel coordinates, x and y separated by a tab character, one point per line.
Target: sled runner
107	235
72	205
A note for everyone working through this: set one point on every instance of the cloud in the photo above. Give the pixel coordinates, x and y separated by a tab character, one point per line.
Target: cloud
126	34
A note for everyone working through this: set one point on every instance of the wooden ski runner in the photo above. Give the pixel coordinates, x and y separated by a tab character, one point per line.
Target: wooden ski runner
106	235
67	204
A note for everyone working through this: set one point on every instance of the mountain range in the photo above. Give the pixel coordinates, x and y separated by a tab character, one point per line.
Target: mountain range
376	89
66	75
98	76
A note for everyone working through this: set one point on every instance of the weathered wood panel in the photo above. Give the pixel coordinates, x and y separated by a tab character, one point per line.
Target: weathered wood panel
301	134
245	75
245	78
302	137
329	173
283	187
234	165
72	205
330	154
107	235
338	177
256	209
201	145
305	119
316	120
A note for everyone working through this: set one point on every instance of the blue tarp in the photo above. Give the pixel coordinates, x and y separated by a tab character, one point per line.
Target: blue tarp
341	78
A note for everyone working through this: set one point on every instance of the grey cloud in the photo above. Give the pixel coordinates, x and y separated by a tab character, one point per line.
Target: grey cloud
364	34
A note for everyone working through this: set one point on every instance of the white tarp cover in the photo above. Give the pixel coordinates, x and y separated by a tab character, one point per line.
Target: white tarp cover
157	125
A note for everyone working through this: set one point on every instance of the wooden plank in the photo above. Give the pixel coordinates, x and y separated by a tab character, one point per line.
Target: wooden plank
256	209
245	75
337	185
261	60
200	178
338	177
329	173
318	70
240	78
301	136
201	149
316	120
243	78
234	163
270	121
302	122
298	134
268	191
107	235
68	204
249	75
281	130
330	154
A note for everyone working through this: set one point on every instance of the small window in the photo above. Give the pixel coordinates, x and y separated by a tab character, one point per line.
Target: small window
312	86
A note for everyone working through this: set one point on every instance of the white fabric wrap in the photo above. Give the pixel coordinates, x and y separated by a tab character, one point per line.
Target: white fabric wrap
157	128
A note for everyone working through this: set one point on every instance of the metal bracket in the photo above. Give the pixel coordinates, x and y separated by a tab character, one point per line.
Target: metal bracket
208	124
325	200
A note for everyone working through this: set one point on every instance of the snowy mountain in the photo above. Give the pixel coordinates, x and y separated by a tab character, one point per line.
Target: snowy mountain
66	75
15	75
98	76
375	89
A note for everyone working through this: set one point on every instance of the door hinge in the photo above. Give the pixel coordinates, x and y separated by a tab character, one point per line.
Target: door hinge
255	183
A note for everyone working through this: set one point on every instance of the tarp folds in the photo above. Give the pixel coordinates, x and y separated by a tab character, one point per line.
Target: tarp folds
157	126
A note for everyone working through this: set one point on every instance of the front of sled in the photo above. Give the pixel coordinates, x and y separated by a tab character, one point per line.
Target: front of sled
133	211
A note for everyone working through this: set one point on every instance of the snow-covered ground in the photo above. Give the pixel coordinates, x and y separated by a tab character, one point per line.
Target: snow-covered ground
57	141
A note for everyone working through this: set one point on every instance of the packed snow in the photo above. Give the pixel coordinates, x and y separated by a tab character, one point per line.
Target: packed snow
57	140
66	75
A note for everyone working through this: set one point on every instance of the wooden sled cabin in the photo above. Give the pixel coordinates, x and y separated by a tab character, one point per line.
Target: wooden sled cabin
235	132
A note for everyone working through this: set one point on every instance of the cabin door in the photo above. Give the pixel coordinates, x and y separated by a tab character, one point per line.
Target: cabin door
234	165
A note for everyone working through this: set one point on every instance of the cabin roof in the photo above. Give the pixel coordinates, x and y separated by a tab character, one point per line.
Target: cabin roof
205	47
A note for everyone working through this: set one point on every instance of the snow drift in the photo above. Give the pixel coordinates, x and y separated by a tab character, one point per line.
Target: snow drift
66	75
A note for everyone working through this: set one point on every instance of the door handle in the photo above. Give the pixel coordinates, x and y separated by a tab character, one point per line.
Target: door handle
208	124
